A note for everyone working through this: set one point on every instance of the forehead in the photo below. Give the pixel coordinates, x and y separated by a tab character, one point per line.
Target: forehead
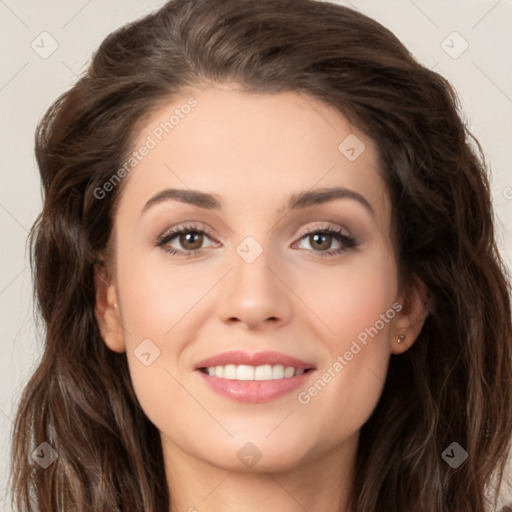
252	149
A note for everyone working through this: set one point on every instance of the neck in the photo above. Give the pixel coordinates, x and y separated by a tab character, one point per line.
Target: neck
320	484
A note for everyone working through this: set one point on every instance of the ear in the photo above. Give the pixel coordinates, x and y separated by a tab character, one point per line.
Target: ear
107	311
409	321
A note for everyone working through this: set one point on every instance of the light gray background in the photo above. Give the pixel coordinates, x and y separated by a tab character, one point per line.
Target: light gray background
29	83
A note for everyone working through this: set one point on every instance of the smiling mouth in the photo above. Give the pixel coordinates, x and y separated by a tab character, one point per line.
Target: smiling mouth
245	372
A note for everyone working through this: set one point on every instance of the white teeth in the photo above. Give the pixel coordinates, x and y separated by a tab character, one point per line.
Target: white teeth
289	371
278	371
229	371
247	372
263	372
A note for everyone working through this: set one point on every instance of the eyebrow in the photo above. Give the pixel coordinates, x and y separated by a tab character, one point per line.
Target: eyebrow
296	201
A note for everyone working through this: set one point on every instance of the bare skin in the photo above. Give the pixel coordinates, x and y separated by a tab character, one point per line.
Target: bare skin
253	152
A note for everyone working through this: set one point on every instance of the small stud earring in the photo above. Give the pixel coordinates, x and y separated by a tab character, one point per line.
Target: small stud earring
401	338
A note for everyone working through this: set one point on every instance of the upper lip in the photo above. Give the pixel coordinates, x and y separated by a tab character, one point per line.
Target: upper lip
238	357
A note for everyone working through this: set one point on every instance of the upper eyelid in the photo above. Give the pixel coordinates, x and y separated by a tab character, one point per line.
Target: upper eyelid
184	228
325	227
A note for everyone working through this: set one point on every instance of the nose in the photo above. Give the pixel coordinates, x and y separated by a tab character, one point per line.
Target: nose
256	293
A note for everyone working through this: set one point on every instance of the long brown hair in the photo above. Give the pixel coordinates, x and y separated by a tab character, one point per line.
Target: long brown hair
453	385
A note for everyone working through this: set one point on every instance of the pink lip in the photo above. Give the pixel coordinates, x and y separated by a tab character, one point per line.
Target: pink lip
258	359
254	391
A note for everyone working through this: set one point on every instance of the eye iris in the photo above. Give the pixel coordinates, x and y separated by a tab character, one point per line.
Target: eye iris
318	236
188	238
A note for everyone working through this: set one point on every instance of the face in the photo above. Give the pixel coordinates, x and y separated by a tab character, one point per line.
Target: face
255	286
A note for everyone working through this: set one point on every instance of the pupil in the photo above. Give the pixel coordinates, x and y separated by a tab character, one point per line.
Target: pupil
189	238
325	245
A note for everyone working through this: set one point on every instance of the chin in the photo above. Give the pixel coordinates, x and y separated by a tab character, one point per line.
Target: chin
257	454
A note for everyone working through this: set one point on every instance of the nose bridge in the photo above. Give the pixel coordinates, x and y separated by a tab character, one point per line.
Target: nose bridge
254	292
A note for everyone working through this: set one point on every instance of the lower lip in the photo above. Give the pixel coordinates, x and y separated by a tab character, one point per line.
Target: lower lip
255	391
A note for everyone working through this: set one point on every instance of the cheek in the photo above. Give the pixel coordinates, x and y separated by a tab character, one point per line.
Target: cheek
354	298
158	296
151	306
161	304
360	315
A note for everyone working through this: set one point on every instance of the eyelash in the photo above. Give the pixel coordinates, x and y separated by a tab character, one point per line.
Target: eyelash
347	241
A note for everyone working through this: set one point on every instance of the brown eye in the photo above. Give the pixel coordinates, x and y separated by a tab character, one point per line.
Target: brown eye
191	240
184	241
320	241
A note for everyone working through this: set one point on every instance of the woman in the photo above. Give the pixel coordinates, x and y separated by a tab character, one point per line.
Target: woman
253	368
